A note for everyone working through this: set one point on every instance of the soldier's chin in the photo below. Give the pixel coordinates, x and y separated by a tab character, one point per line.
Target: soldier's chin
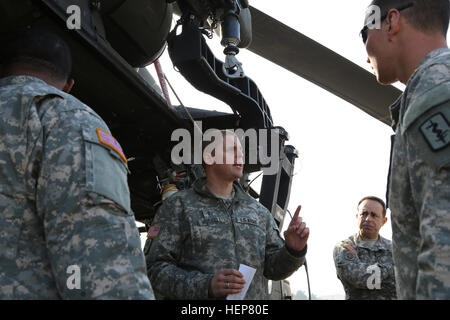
237	174
384	79
368	230
238	168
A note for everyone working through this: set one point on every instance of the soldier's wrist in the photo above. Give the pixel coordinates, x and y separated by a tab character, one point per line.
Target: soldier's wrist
296	253
210	290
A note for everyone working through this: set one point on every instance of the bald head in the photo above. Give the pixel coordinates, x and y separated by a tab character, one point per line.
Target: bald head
36	52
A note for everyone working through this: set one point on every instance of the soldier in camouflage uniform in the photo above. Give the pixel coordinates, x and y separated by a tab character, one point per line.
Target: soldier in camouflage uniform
207	231
66	227
364	260
411	47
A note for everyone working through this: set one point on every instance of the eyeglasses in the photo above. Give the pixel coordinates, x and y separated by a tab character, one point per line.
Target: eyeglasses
384	16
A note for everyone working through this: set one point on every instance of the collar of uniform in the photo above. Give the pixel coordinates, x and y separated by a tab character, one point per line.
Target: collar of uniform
429	58
361	243
200	187
394	109
384	243
18	79
380	243
225	197
396	106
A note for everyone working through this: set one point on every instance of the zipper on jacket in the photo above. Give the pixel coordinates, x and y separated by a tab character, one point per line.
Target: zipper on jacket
222	202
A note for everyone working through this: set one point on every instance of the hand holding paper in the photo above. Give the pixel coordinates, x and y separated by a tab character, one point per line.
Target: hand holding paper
248	273
226	281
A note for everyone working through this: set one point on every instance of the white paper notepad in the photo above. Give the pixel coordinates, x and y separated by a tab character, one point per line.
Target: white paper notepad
248	273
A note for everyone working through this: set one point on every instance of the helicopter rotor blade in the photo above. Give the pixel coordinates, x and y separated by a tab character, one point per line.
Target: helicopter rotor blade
320	65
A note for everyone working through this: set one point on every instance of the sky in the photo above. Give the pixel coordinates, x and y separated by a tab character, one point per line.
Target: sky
343	152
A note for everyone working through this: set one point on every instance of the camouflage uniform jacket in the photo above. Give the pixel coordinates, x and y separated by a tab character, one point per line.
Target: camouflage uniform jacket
66	227
419	182
358	266
199	236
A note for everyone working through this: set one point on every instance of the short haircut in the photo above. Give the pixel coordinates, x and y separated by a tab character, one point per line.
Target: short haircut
374	199
428	16
38	48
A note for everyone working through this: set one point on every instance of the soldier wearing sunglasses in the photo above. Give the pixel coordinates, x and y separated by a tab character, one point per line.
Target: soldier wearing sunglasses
409	45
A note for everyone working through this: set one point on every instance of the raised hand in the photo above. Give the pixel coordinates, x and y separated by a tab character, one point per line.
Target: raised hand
296	236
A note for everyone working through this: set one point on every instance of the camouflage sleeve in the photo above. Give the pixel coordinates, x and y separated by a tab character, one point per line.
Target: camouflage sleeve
92	241
279	263
162	256
351	270
428	153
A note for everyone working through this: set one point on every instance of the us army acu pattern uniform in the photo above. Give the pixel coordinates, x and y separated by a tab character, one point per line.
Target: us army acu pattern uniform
201	234
64	201
365	268
419	181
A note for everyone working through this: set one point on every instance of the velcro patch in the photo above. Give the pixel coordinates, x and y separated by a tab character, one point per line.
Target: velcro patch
350	248
436	131
153	231
107	139
349	256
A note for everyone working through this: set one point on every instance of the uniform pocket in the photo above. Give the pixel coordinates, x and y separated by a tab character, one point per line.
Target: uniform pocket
11	220
251	237
209	229
106	172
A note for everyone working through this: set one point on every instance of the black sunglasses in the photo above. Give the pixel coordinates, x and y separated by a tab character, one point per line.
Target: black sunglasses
384	16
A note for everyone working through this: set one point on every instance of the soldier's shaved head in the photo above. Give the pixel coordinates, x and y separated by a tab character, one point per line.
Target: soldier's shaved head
428	16
38	50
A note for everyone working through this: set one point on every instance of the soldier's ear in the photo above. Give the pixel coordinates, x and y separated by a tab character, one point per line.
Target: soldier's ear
393	20
384	220
208	158
68	86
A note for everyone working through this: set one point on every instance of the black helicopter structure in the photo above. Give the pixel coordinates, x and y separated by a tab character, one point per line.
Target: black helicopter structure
113	41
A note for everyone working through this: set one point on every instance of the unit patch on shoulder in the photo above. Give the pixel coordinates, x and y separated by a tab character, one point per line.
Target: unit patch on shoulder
436	131
109	140
349	256
153	231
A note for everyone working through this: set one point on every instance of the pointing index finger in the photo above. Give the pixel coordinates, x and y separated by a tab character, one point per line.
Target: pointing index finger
297	212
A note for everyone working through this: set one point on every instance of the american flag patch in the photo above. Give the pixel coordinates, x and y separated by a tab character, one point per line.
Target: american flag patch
109	140
350	248
153	231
